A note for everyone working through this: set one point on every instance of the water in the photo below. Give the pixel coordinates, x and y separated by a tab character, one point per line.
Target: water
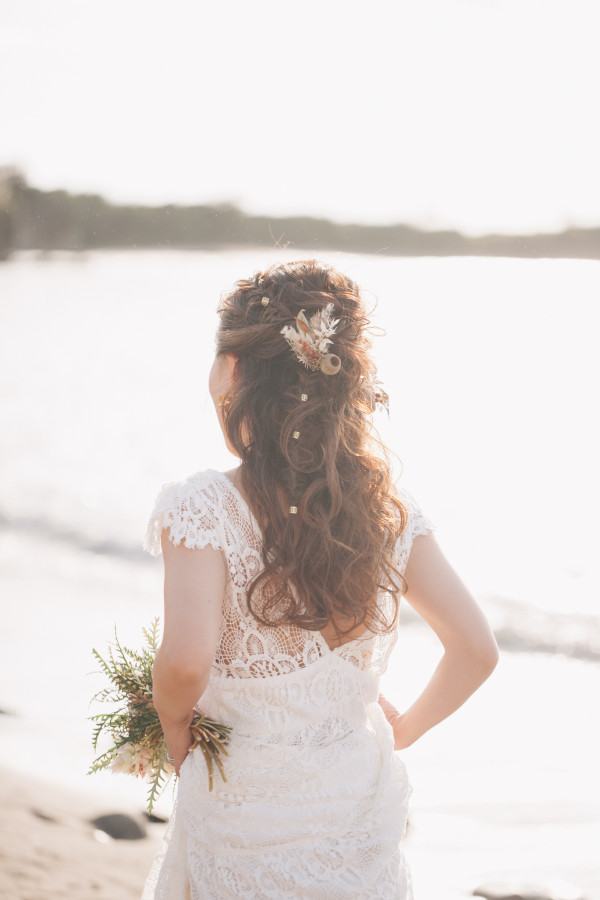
491	364
492	368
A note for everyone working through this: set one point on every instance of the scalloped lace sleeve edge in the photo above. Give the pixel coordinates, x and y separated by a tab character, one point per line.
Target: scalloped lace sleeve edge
417	524
182	509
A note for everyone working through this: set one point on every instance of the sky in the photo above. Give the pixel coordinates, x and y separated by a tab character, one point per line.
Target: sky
479	115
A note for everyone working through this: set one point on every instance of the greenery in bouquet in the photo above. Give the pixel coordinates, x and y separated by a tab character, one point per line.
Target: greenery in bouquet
139	746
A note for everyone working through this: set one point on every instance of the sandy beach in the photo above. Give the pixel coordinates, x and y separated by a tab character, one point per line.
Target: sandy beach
50	849
507	788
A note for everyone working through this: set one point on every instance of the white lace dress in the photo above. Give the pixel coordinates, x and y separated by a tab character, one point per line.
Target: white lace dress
315	802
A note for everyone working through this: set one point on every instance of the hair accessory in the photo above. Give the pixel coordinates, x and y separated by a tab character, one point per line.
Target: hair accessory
293	510
296	435
304	397
265	301
310	338
223	400
378	395
330	364
383	399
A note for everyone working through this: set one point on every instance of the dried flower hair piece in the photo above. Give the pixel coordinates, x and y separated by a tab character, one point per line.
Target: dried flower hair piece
310	340
383	399
379	396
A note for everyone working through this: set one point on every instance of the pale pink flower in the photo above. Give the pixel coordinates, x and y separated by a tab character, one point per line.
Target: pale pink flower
140	765
132	759
121	763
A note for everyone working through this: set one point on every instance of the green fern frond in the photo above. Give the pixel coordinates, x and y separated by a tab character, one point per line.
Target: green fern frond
157	785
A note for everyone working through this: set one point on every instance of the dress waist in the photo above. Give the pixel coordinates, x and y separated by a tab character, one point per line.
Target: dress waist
329	695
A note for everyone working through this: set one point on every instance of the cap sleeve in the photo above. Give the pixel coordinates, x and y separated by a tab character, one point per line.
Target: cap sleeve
417	523
189	510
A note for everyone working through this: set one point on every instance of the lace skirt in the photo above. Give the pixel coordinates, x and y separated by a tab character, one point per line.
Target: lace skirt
316	823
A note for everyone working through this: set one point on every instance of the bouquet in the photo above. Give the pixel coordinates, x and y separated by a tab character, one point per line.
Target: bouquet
139	746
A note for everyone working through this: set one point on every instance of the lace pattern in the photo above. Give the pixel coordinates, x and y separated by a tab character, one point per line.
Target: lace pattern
315	802
208	510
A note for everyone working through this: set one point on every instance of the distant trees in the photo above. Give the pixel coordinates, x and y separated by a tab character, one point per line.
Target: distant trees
7	220
56	220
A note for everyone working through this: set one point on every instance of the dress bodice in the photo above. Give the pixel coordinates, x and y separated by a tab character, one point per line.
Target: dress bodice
208	510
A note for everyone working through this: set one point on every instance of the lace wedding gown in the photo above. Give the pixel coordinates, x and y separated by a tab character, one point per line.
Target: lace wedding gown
315	802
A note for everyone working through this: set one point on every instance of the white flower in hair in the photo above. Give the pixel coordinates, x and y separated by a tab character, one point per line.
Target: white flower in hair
377	394
311	338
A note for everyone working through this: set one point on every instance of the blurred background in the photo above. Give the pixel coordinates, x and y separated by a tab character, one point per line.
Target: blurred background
444	154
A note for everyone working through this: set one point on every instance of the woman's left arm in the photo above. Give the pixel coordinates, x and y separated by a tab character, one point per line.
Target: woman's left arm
470	650
194	588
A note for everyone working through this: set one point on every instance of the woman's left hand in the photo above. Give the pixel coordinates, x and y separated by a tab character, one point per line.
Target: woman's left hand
396	720
179	739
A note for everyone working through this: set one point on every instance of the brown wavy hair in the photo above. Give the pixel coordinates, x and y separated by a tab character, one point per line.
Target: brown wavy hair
326	564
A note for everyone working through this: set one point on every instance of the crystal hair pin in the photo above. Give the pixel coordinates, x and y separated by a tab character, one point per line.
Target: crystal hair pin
310	339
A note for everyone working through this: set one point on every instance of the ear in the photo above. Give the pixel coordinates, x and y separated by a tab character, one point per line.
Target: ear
231	365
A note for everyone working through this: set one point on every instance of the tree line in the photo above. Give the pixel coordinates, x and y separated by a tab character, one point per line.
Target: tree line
32	219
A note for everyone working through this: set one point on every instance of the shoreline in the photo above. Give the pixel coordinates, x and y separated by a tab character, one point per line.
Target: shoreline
497	794
498	787
51	847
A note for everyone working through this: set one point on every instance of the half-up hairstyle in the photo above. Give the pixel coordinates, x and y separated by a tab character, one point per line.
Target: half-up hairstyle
326	563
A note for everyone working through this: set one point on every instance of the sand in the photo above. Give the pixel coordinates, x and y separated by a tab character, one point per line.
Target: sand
50	851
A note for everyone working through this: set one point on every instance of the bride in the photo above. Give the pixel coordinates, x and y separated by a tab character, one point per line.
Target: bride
282	583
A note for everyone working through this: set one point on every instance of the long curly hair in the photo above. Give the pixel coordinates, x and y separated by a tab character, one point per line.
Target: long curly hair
326	564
